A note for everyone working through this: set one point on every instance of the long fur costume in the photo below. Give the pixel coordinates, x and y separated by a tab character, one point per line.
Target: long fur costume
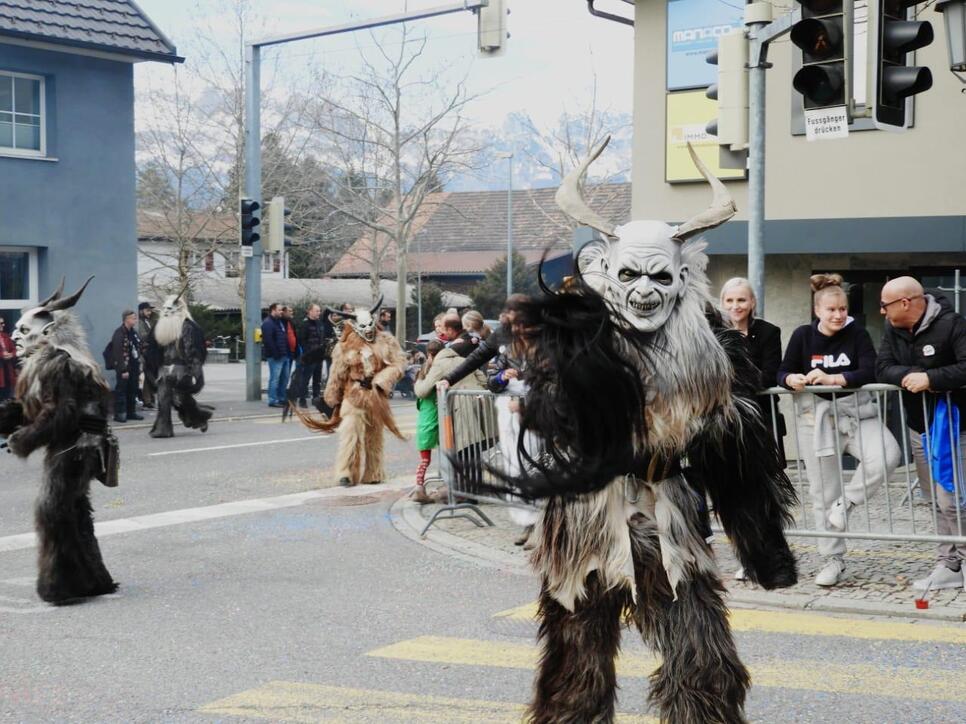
639	429
179	372
645	406
60	395
361	411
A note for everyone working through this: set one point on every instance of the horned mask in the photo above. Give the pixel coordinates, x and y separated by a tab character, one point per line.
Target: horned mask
175	305
363	322
637	267
38	326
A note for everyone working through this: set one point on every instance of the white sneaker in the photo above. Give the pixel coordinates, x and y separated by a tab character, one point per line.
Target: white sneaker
740	574
941	577
838	514
831	573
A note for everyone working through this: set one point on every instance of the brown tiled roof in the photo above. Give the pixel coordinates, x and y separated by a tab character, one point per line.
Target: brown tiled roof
465	232
156	226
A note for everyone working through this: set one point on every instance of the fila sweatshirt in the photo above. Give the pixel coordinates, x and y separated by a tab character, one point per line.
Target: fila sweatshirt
848	352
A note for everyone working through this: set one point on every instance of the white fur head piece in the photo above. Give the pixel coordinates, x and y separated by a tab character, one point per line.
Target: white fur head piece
637	267
48	322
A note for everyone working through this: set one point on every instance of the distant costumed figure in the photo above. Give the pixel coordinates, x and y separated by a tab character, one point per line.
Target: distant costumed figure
61	404
366	364
645	405
178	367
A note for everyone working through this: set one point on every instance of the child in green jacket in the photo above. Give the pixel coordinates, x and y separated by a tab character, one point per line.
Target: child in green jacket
427	426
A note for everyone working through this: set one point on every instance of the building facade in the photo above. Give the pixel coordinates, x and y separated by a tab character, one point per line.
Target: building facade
67	174
872	206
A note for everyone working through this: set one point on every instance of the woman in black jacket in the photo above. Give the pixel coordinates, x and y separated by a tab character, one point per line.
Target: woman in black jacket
764	342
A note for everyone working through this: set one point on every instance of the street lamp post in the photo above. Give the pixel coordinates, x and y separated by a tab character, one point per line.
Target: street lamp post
509	222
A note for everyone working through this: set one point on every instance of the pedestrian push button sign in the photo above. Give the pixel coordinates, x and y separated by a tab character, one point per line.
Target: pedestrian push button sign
824	124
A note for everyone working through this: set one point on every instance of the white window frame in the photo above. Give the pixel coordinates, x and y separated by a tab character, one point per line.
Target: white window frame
33	277
29	152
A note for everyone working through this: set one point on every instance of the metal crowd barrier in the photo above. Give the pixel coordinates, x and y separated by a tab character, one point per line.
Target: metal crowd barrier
469	436
890	511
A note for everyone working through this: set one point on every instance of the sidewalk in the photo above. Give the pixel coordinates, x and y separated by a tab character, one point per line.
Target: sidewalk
878	579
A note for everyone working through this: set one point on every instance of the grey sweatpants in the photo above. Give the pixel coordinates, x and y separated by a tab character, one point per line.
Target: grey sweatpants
948	521
825	473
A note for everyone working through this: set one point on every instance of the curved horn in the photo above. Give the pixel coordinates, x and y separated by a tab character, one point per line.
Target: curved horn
181	293
329	311
571	201
68	302
377	305
56	295
722	205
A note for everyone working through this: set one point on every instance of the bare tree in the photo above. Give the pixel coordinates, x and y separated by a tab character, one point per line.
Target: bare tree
389	135
191	153
557	150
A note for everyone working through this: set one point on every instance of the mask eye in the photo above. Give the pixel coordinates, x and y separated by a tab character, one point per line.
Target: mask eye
663	278
627	275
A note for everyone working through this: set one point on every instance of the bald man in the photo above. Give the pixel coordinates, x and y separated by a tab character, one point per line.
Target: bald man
924	351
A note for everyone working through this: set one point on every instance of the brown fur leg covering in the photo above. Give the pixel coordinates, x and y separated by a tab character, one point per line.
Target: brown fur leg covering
702	680
350	457
373	471
576	679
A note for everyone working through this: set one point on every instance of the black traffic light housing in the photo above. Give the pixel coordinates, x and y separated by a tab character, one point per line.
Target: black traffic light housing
824	35
248	221
894	80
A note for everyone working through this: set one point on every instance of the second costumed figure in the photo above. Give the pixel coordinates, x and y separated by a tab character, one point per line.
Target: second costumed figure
366	364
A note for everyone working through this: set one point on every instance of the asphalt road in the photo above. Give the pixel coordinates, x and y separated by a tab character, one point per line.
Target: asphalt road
323	612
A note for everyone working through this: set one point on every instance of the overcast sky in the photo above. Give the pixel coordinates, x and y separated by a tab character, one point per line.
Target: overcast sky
555	48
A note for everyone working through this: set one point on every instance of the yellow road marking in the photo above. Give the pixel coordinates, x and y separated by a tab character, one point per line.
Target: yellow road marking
296	702
811	624
930	684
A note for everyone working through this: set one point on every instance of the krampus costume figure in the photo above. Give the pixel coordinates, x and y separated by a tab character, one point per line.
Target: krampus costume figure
180	370
646	411
62	404
366	364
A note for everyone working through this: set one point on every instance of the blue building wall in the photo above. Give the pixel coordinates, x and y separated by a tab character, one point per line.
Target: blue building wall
77	206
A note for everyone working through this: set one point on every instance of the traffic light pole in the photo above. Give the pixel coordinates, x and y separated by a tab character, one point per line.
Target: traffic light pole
761	31
253	190
253	160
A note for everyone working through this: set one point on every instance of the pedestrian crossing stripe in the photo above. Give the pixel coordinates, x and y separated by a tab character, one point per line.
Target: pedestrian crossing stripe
297	702
810	624
929	684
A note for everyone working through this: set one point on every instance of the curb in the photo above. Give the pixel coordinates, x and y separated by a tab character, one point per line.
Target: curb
406	518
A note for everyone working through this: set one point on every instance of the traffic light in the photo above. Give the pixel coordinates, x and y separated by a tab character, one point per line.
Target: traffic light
824	35
731	91
491	27
894	81
278	229
248	221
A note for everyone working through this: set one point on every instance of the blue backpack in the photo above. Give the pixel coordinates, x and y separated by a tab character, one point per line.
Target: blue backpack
944	450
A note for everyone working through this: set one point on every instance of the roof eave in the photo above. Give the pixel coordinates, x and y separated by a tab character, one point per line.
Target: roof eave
121	53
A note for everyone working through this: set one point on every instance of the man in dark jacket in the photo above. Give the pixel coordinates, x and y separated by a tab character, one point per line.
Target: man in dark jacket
145	329
126	349
491	346
311	338
924	351
275	350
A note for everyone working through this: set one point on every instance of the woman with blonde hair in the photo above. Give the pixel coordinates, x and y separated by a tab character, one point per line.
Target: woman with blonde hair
835	351
762	339
474	324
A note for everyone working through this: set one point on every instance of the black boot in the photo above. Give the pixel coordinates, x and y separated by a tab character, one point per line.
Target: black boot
120	418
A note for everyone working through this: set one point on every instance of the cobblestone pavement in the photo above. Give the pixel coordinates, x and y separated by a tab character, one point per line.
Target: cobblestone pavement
878	578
